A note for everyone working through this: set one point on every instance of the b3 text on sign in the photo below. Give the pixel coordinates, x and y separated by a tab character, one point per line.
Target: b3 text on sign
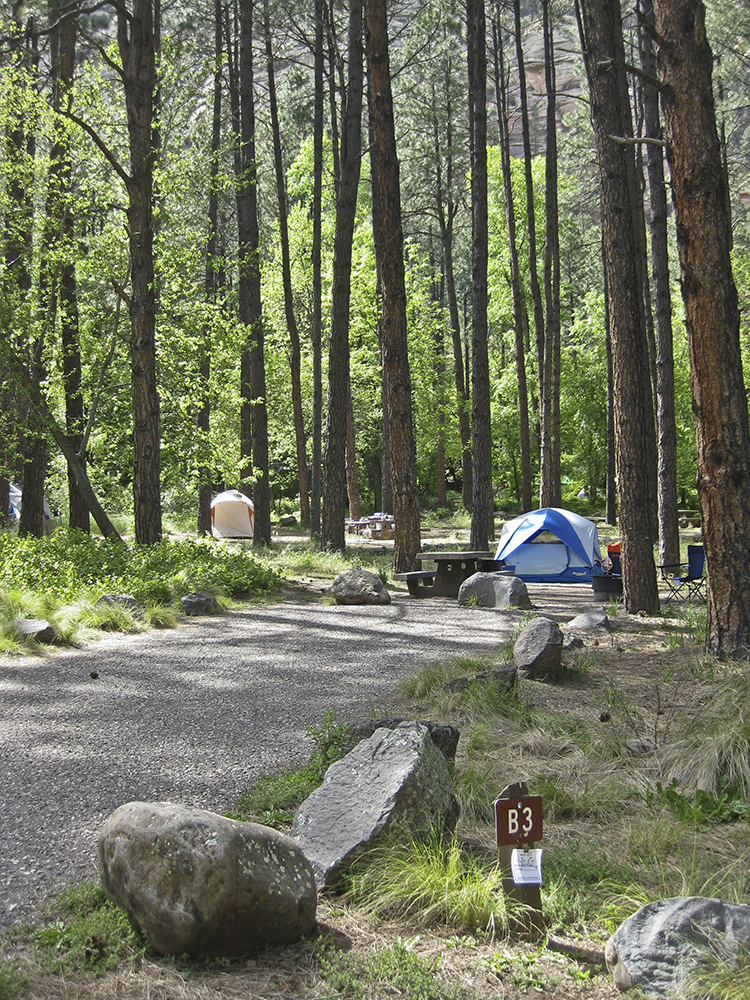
519	820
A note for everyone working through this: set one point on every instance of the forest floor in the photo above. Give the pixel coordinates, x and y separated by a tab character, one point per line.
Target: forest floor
601	747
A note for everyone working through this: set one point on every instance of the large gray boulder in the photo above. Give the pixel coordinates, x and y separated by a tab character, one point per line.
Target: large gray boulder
538	649
200	884
494	590
394	785
359	586
661	945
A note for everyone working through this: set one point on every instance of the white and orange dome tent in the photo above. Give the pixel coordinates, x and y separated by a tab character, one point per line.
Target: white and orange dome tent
232	515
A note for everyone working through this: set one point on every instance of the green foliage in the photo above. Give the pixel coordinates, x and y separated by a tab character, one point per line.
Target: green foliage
522	971
430	882
83	932
330	741
273	799
12	981
68	563
700	808
389	970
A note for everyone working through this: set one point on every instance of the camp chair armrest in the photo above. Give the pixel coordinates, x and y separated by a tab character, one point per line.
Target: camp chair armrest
673	569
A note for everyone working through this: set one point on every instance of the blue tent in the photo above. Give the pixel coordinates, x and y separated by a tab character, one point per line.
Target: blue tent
568	552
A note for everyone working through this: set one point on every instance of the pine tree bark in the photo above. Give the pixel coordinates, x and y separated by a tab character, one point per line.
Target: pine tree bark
633	407
210	283
481	430
549	491
254	418
135	37
393	284
704	240
295	352
669	535
317	305
334	468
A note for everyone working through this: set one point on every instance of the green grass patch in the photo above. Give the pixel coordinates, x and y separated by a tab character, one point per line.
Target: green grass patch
392	971
81	932
430	883
273	799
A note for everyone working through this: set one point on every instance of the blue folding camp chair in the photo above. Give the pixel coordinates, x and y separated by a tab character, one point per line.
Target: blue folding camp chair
686	580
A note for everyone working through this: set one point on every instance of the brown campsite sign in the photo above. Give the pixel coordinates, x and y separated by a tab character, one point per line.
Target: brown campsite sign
518	820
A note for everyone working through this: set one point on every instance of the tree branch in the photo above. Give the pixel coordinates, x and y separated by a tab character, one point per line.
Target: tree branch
101	146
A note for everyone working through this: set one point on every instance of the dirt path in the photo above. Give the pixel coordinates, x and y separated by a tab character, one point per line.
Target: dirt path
197	713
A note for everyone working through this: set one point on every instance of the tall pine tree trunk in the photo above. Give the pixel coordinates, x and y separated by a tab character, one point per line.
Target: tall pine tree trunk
317	306
210	285
550	379
253	368
393	298
332	535
669	534
481	430
704	241
135	36
295	353
633	406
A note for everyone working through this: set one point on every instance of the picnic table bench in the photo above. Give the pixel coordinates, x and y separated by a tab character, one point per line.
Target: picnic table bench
451	571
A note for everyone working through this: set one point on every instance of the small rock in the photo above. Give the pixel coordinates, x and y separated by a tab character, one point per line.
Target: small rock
538	649
199	603
594	618
359	586
35	628
287	521
571	643
494	590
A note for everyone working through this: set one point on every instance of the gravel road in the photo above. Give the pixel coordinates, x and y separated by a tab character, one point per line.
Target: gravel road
194	715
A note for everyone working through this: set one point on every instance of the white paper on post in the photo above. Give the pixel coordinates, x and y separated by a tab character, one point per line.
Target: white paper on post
526	866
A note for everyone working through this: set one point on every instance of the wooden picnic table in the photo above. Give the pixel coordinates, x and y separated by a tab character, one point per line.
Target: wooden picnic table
451	571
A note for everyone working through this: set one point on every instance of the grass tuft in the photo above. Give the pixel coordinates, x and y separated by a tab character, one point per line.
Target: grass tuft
430	882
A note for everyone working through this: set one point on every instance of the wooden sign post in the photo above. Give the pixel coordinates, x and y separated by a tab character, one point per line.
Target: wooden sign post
518	820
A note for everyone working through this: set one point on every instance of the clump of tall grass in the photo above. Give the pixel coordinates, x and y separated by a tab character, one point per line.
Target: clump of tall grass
430	882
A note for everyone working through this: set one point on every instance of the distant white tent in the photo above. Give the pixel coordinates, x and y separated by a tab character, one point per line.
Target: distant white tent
232	515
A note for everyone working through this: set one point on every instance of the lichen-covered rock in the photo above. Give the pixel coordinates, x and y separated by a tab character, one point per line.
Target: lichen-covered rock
359	586
395	785
198	883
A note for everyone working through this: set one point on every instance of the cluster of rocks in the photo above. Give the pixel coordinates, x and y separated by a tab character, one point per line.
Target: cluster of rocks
201	884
